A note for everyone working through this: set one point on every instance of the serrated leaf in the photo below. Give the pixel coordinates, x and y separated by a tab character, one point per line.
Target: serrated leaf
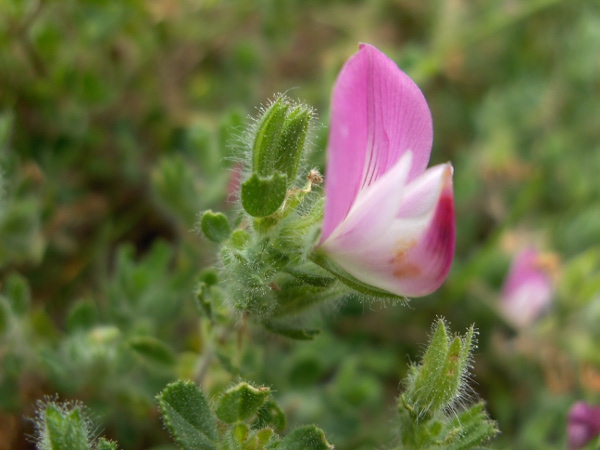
152	349
187	416
241	402
306	437
215	226
262	196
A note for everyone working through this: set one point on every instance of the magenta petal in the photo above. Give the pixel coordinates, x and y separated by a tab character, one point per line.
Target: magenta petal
583	425
413	257
528	289
378	113
373	212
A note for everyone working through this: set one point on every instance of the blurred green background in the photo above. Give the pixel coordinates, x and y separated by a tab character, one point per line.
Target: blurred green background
117	119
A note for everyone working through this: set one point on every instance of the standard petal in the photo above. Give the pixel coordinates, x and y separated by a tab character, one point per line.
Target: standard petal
378	113
414	256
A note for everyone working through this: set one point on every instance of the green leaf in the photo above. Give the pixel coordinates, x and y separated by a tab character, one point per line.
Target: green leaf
103	444
65	430
215	226
5	315
271	414
241	402
306	437
82	315
152	349
239	239
187	416
240	432
17	290
262	196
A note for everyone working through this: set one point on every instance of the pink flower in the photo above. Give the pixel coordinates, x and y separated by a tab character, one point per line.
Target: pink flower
528	288
388	223
583	425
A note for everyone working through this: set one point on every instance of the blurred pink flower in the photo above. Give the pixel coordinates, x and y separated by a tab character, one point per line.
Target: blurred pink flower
528	288
583	425
388	222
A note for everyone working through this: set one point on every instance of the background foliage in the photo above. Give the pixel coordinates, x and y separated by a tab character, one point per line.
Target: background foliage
116	123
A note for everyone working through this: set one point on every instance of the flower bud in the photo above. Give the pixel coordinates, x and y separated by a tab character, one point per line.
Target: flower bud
277	149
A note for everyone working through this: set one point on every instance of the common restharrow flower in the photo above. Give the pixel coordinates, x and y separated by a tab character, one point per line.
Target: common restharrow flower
388	222
528	289
583	425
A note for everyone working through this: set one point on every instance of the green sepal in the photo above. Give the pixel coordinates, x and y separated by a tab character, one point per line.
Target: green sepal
215	226
293	138
262	196
306	437
311	278
266	141
328	264
241	402
474	427
425	394
152	349
65	429
187	416
295	297
297	334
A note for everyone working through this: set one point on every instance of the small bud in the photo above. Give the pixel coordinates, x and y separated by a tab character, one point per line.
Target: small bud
215	226
439	379
279	141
